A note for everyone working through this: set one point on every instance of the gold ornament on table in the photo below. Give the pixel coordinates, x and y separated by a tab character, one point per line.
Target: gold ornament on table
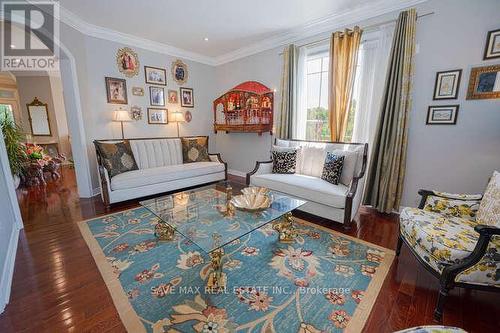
287	232
252	202
255	190
127	61
217	278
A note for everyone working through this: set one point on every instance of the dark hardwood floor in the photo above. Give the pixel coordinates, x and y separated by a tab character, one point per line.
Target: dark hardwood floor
57	287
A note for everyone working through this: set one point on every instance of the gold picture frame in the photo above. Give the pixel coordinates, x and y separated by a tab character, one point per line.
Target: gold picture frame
179	72
482	82
127	61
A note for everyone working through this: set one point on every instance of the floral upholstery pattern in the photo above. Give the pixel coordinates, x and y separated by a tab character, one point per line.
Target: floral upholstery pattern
489	210
433	329
438	239
453	204
487	270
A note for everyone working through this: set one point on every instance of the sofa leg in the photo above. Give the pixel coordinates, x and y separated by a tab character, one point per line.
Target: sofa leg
438	311
399	245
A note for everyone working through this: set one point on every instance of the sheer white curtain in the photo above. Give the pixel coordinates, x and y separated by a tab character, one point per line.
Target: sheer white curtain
370	79
300	121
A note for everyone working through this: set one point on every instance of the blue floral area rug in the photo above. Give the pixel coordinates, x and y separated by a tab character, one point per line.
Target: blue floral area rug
323	282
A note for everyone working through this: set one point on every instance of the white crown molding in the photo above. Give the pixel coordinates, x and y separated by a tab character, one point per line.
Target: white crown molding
310	29
316	27
92	30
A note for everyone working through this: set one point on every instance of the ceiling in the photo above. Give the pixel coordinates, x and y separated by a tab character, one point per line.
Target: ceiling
229	25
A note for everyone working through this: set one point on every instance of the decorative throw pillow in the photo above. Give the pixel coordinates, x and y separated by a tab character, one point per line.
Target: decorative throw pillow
284	161
117	157
332	168
489	209
195	149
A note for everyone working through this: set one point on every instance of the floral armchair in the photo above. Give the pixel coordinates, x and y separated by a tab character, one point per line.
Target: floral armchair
457	238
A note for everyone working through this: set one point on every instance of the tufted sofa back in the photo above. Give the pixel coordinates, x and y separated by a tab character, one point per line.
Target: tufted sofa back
153	153
311	157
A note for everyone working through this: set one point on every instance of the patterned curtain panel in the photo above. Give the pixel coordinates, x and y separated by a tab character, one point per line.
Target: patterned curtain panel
387	166
288	92
344	48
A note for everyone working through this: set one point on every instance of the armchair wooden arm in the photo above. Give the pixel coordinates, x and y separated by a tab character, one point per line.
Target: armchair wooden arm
220	160
465	197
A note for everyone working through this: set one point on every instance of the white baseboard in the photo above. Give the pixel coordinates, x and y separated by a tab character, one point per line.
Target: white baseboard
8	269
96	191
236	173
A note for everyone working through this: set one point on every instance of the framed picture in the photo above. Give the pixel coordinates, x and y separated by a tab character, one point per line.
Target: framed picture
173	97
442	115
492	48
447	84
187	98
157	96
127	61
157	116
155	75
137	91
484	82
116	90
188	116
179	72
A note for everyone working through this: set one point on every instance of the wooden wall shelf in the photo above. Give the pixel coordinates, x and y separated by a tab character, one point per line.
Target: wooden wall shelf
247	108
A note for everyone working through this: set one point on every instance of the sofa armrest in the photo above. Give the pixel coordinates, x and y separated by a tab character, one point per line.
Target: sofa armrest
105	184
261	167
216	157
479	255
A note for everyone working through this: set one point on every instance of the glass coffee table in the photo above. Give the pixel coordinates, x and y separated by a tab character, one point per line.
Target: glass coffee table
205	217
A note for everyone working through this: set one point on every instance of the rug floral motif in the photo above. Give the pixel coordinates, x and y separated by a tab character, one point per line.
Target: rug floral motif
323	282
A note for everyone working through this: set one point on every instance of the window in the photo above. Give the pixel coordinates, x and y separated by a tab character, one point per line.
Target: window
6	112
317	120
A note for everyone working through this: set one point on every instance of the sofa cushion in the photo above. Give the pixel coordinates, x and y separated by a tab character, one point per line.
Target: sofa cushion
306	187
438	239
144	177
284	161
332	168
155	153
195	149
310	161
116	157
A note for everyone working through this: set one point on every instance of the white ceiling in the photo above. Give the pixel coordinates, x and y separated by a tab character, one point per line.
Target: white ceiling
229	25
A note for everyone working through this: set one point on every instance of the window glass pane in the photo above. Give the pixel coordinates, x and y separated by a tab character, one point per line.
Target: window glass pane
314	66
313	81
6	112
7	94
326	64
324	91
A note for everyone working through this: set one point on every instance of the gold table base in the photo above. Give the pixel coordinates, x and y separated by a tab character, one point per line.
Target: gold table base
164	232
287	232
217	279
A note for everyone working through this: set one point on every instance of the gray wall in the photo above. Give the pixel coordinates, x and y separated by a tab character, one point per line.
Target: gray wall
450	158
95	59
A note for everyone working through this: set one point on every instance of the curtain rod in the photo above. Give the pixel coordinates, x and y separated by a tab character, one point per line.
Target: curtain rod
369	27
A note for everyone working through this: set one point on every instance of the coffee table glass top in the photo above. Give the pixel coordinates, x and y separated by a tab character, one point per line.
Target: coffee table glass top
200	215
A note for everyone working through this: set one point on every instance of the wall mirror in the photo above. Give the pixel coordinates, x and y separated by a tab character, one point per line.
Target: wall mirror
484	82
39	118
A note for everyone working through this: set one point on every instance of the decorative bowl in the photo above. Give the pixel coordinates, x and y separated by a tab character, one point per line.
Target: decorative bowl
252	202
255	190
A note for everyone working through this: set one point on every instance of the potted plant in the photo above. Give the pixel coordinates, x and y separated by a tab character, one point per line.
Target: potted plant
13	136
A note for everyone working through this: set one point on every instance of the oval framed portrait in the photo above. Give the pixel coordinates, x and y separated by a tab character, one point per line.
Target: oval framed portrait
127	61
179	72
188	116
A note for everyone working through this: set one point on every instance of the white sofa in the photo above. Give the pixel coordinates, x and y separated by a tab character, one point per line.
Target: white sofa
160	169
340	202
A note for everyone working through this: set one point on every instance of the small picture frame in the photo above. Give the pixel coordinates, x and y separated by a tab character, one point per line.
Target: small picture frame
157	96
116	90
442	115
127	61
157	116
492	48
484	82
447	84
173	97
187	97
155	75
137	91
179	72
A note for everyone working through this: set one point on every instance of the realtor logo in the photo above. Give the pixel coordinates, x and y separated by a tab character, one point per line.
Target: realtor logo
29	32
